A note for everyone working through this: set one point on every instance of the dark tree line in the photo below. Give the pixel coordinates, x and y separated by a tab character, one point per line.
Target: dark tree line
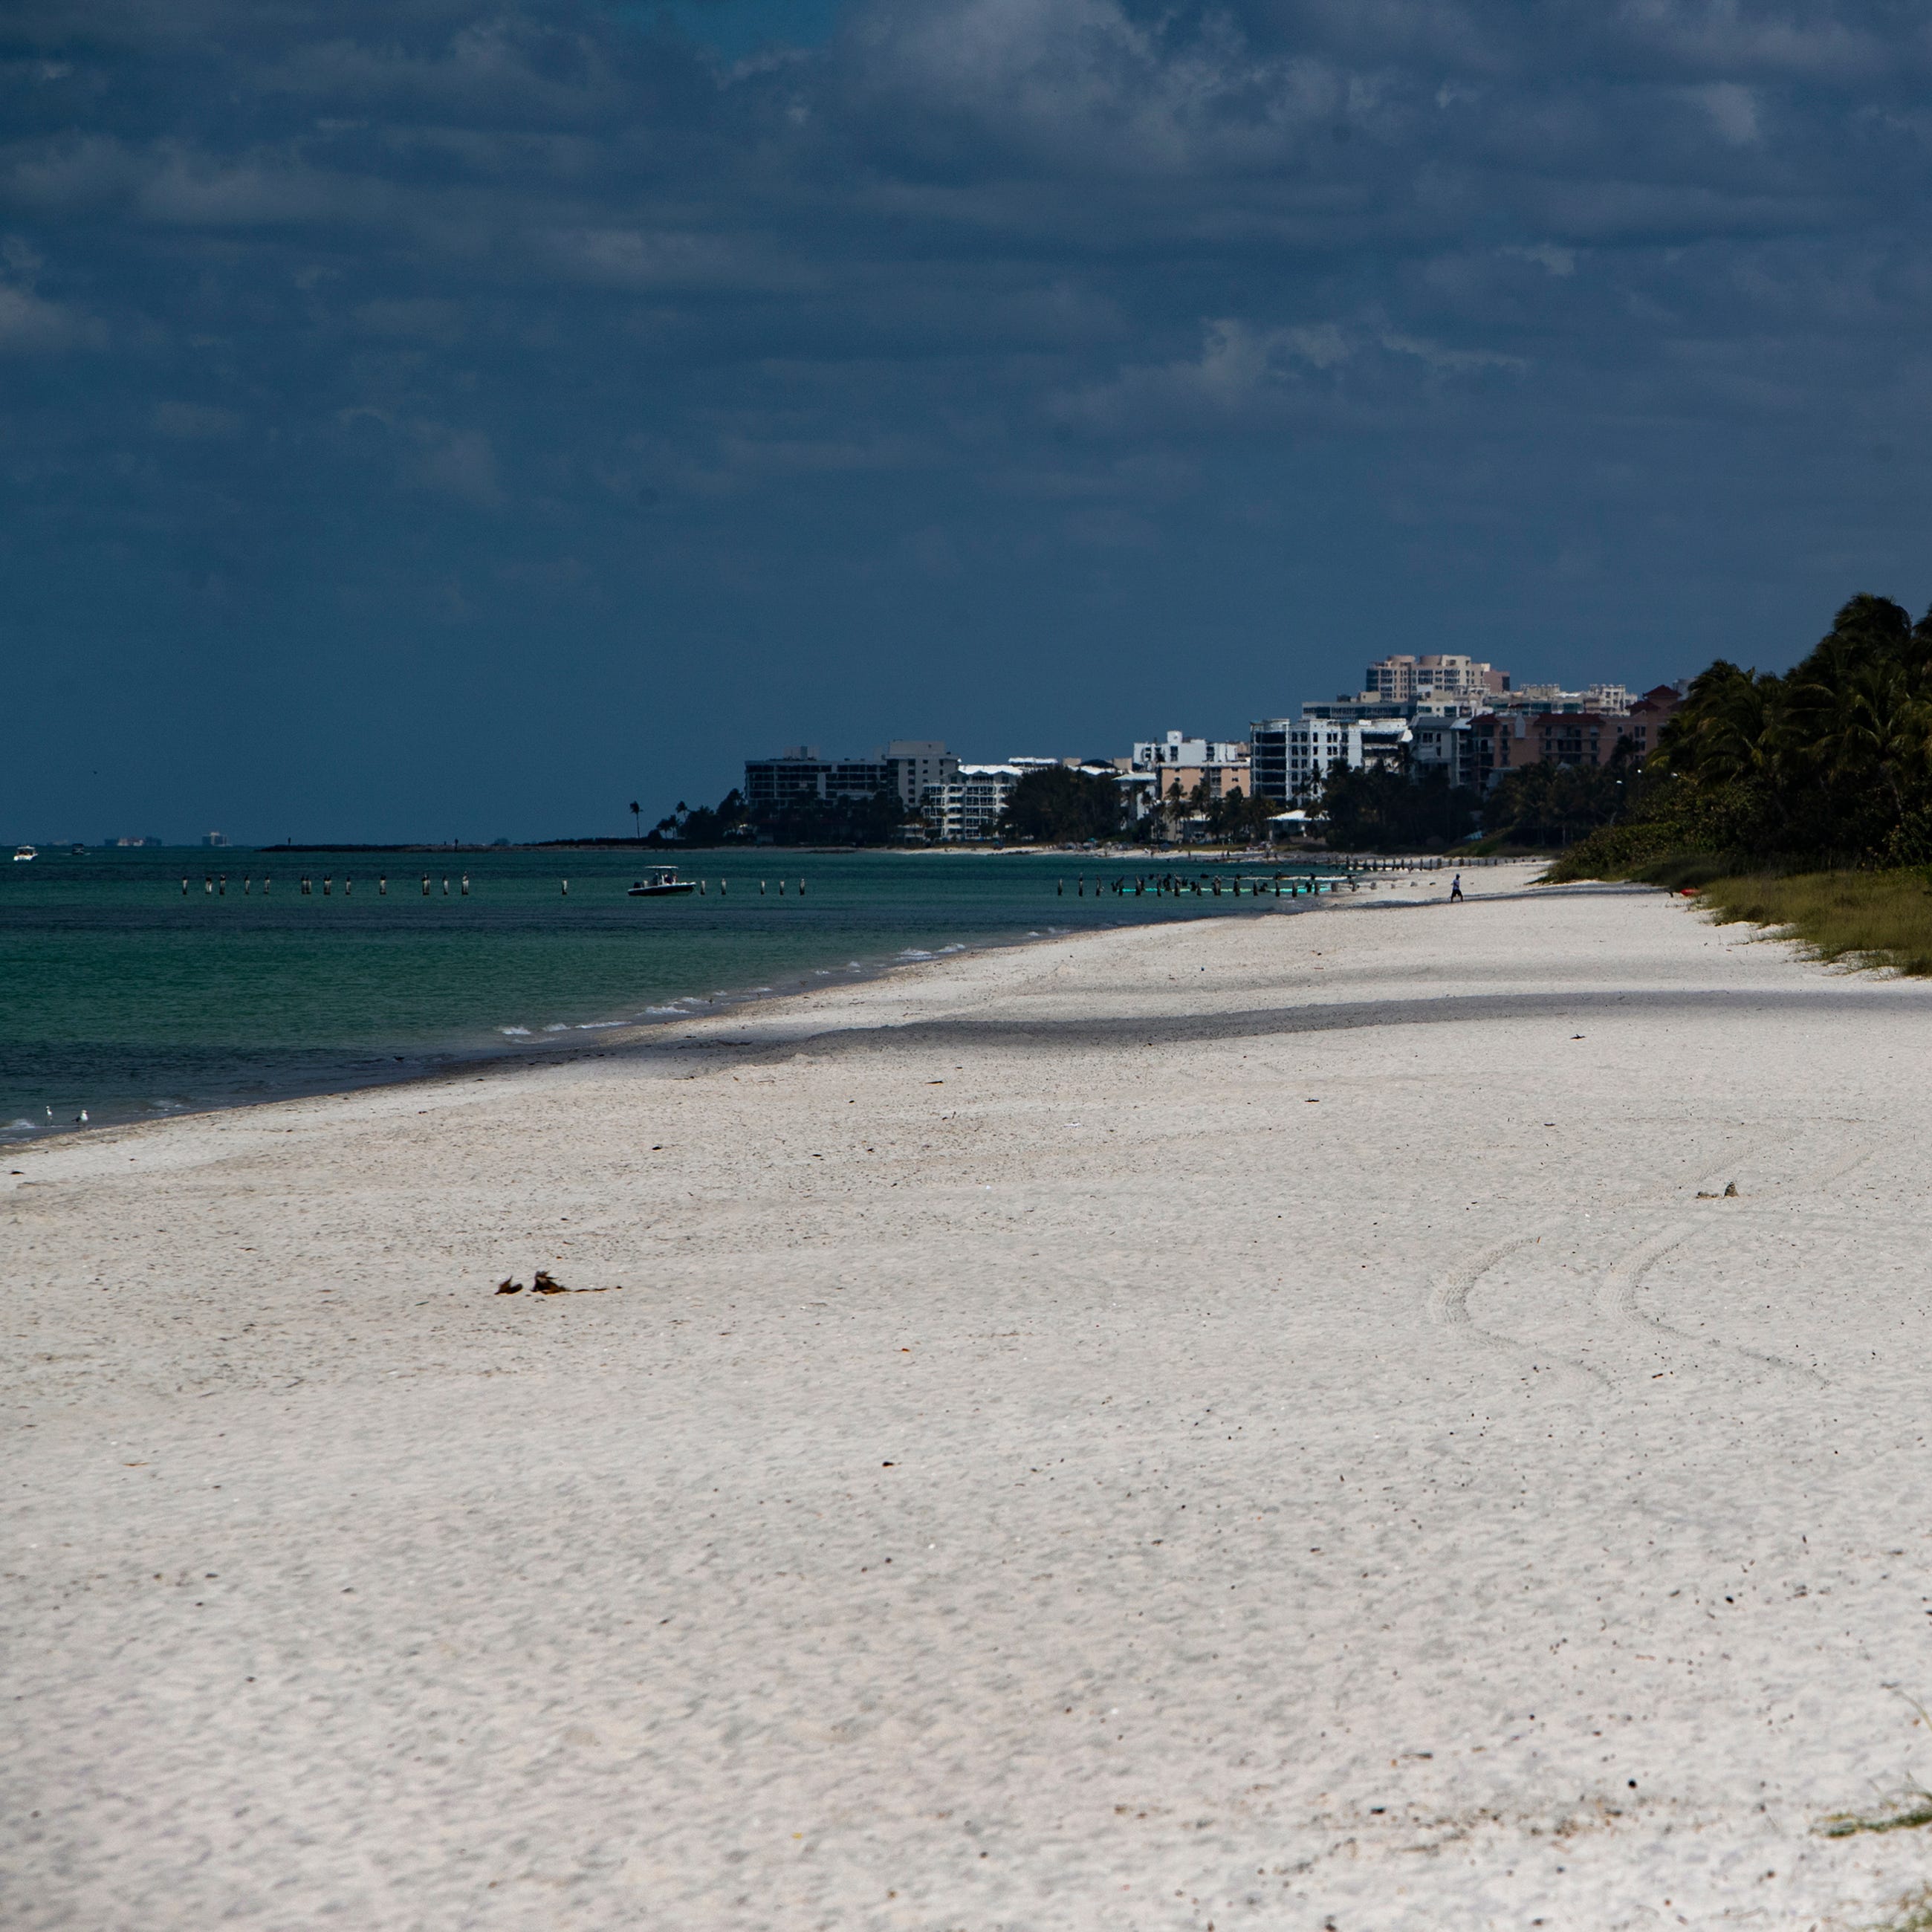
875	821
702	824
1397	807
1062	806
1388	808
1552	804
1829	763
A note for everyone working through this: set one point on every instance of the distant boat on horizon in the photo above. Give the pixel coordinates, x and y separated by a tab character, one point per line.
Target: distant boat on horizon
21	852
661	882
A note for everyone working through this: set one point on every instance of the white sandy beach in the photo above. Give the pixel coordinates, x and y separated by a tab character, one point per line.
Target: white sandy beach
1247	1423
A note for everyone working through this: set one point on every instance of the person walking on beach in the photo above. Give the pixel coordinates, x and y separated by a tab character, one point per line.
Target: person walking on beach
1455	888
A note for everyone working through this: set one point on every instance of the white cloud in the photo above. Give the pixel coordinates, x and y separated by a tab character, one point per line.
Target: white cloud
458	464
1733	111
31	325
1548	256
1446	361
639	258
1250	378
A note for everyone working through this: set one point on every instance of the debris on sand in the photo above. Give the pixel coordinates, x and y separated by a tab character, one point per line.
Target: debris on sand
544	1283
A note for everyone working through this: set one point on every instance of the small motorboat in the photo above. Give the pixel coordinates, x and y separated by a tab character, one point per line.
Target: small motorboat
662	882
24	852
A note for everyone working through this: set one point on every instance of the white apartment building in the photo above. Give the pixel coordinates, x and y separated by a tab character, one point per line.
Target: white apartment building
1293	756
1315	746
1445	744
968	806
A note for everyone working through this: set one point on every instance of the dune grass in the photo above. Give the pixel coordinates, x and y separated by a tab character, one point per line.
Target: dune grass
1905	1814
1912	1913
1881	919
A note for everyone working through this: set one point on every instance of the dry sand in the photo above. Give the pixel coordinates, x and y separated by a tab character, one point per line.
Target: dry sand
1248	1422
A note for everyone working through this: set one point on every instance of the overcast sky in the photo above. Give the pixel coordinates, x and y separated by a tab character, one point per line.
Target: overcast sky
423	419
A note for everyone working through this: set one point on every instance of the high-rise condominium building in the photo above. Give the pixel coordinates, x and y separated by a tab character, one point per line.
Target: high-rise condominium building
907	766
1403	679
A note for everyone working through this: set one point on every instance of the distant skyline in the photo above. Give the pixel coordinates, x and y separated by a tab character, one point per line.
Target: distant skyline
429	419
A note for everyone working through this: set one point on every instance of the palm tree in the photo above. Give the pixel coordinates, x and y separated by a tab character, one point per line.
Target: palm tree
637	818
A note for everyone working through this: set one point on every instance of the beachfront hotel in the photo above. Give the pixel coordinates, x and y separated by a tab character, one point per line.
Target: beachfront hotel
1460	715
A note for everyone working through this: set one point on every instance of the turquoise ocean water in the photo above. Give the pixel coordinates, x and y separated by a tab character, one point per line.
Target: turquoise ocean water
121	996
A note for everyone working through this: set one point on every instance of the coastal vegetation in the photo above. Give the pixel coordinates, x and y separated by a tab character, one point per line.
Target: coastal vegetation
701	824
1801	801
1547	804
1825	767
1057	804
1872	918
875	821
1234	818
1383	809
1397	807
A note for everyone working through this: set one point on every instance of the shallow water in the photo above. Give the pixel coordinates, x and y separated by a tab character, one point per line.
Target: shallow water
126	998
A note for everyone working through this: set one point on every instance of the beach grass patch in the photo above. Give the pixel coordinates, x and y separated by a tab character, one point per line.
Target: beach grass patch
1912	1913
1880	920
1907	1814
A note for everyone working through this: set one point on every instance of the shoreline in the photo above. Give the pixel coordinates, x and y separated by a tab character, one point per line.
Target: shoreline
1284	1414
386	1070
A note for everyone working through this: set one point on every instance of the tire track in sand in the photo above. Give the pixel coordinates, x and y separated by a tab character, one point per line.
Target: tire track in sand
1616	1297
1617	1293
1449	1308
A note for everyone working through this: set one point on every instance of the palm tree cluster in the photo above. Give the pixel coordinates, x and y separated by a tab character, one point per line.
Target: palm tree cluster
1832	761
1395	808
1552	804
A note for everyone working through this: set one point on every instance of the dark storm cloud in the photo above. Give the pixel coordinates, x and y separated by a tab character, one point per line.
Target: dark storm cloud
505	410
